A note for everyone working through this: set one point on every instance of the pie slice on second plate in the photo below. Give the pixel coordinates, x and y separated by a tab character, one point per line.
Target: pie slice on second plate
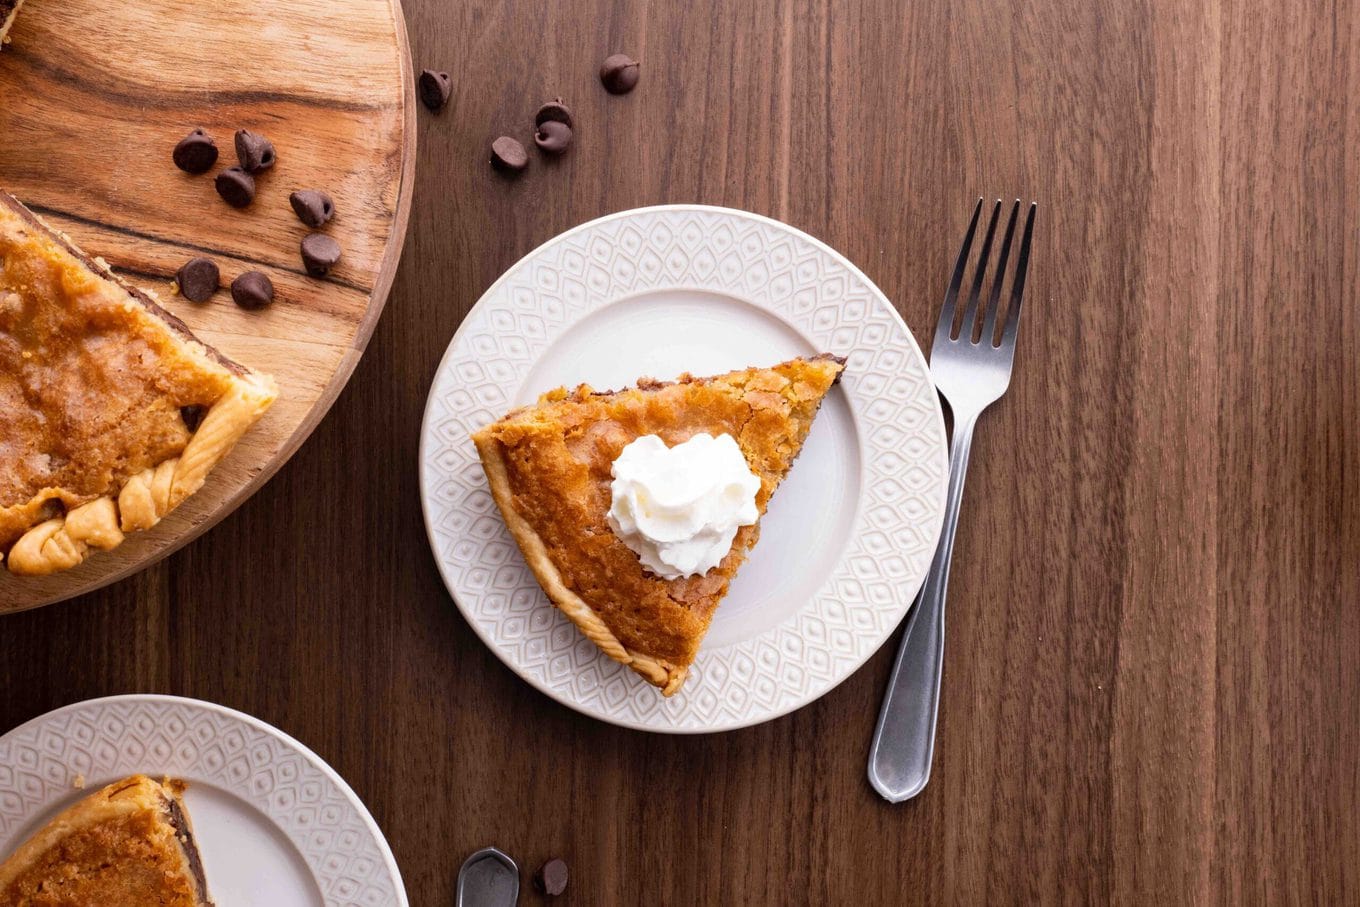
551	467
111	411
128	845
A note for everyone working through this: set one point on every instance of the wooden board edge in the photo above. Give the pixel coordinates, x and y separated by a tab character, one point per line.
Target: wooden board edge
382	286
387	271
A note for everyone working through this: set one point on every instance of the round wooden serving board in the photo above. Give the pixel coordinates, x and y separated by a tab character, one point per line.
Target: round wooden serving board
93	98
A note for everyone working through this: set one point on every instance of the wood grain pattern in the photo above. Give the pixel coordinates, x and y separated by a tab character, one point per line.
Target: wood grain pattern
96	96
1152	693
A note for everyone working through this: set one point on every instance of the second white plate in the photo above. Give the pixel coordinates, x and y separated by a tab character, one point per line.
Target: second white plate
275	824
656	292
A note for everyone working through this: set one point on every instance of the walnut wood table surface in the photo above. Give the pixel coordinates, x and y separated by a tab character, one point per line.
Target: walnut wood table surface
1152	692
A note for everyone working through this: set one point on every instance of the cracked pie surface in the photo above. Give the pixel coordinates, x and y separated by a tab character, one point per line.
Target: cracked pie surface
111	412
127	845
549	468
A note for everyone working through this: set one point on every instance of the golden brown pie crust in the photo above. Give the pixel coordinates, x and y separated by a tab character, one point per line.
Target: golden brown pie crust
128	845
549	468
95	382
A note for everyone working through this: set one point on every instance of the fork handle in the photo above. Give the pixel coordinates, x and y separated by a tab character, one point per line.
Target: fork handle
904	741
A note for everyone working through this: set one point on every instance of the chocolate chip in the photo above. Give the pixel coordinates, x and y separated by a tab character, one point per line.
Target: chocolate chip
236	187
554	111
254	151
312	206
252	290
434	88
551	878
196	152
319	253
619	73
193	415
508	155
198	279
553	137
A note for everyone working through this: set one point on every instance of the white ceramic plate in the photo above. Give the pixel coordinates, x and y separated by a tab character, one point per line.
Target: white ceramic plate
275	824
658	291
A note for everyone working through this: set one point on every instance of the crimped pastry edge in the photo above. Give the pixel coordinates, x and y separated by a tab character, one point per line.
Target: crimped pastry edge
232	414
50	547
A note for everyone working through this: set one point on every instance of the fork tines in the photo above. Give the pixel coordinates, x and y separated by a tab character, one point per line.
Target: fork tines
971	328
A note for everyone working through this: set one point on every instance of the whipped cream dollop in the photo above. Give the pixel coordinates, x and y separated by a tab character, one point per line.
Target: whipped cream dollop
679	508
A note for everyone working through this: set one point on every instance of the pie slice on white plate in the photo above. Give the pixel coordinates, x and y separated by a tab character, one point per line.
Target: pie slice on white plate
550	470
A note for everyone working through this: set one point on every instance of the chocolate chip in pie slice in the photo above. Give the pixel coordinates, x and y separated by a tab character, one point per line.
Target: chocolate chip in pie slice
128	845
111	412
550	467
9	9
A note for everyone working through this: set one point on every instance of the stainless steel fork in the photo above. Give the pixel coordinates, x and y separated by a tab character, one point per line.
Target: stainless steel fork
970	362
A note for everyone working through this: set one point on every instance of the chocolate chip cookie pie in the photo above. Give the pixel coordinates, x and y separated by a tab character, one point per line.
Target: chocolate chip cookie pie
128	845
556	469
111	412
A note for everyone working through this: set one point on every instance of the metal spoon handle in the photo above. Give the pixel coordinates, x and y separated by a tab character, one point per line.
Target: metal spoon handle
489	878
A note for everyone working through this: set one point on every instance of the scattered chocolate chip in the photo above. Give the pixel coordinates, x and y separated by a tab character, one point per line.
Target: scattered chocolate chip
236	187
254	151
193	415
553	137
319	253
252	290
434	88
554	111
508	155
198	279
551	878
619	73
312	206
196	152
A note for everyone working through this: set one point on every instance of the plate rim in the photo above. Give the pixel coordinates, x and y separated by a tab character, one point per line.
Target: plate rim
365	816
425	440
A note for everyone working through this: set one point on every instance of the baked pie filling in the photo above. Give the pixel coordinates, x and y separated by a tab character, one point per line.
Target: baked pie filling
127	845
550	470
111	412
